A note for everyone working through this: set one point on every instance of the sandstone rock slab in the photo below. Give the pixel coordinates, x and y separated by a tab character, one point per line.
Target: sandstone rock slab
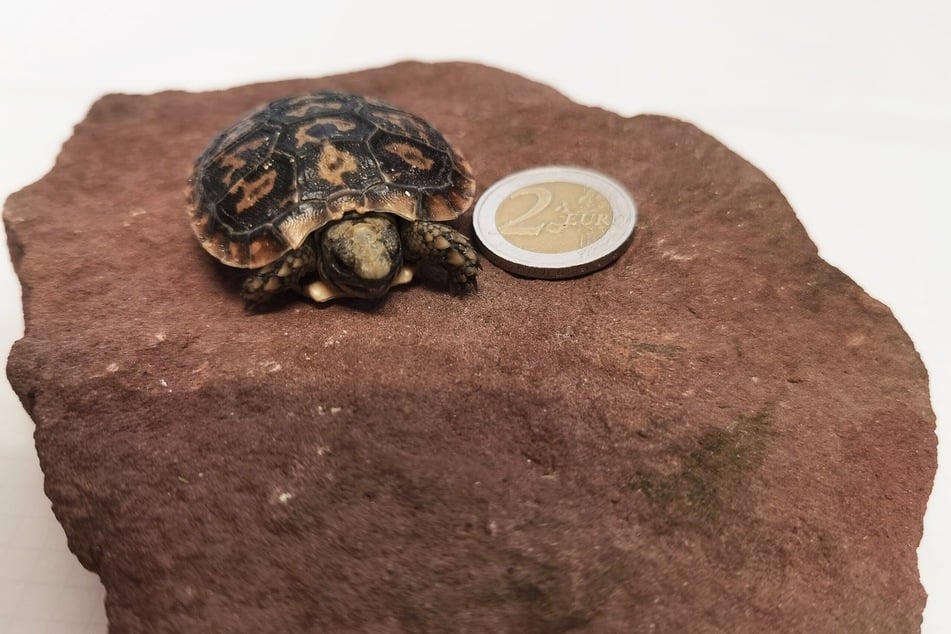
720	432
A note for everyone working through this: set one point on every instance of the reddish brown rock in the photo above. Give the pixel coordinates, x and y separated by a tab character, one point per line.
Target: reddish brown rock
720	432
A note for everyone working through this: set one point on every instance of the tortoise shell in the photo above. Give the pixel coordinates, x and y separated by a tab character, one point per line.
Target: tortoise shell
287	169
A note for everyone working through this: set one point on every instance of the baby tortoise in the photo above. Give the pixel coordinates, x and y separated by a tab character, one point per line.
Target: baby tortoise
332	195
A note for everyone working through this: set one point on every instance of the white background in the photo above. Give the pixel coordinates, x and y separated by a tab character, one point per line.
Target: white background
844	104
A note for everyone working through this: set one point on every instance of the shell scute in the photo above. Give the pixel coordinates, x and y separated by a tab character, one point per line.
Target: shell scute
405	125
238	158
262	196
309	133
291	110
408	164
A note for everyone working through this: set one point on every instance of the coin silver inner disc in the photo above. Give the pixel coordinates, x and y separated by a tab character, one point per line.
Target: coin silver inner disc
554	222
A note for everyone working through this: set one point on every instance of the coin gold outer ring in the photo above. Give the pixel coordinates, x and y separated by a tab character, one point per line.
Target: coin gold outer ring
560	265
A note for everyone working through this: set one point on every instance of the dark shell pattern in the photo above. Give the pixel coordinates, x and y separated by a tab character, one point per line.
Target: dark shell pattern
287	169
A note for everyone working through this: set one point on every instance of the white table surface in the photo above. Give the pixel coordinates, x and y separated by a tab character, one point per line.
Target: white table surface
845	105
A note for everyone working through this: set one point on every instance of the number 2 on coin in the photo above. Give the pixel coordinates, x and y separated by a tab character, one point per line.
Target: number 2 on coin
542	199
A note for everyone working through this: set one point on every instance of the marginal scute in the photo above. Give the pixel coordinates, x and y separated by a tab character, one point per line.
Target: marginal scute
297	227
438	208
285	170
238	251
343	203
400	201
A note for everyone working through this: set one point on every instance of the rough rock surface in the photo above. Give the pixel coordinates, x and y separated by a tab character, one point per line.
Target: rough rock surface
720	432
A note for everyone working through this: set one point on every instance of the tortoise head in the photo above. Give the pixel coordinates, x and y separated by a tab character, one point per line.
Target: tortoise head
361	254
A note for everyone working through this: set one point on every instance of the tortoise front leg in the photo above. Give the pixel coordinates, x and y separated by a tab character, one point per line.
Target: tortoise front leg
281	275
427	241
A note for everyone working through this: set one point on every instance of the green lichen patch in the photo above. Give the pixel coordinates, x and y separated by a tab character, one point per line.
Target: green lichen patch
664	350
711	477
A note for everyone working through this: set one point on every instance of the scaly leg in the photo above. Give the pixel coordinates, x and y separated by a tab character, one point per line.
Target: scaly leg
281	275
440	244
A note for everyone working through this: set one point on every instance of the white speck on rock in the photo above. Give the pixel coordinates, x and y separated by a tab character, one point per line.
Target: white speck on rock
334	340
677	257
284	497
112	367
